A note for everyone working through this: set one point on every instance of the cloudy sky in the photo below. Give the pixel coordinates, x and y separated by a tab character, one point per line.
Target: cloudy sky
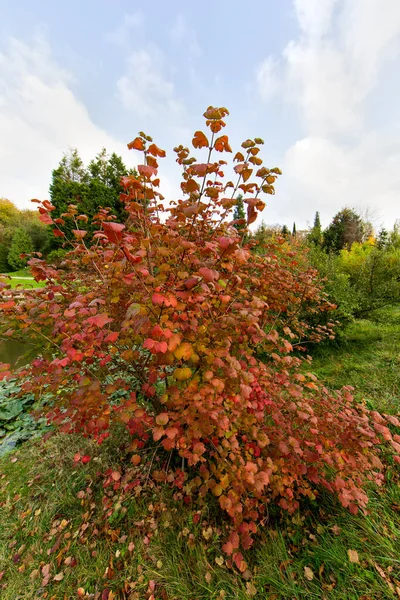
319	80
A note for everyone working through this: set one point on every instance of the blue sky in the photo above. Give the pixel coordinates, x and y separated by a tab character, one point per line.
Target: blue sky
317	79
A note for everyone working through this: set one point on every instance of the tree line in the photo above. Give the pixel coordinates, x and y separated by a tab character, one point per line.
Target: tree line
90	187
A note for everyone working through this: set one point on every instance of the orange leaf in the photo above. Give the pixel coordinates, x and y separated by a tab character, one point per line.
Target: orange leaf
79	233
222	144
200	140
162	419
151	161
137	144
156	151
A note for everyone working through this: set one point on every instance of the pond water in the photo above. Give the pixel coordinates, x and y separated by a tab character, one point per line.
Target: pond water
17	354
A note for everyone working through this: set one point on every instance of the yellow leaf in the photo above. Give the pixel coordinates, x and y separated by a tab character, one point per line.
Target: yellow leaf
184	351
182	374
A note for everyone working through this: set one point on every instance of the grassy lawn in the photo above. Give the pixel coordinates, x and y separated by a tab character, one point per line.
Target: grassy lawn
62	530
368	358
23	277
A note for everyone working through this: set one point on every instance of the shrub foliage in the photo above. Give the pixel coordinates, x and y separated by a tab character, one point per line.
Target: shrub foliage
171	311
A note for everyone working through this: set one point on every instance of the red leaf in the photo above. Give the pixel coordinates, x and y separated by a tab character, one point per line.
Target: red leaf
146	171
112	337
85	459
113	231
200	170
7	305
46	219
239	561
208	274
158	298
99	320
227	548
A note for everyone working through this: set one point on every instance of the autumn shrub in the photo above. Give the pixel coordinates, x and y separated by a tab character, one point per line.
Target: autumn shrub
171	311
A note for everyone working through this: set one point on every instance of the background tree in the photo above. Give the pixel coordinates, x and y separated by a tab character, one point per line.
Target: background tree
239	213
346	228
20	243
8	212
285	230
11	219
89	188
294	230
315	235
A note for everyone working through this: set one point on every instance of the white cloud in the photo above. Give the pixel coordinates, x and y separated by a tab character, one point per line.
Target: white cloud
347	51
332	176
122	35
314	16
267	78
144	88
181	34
40	118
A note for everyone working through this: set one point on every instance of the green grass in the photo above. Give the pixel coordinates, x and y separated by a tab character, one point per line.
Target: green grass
174	557
366	357
47	515
20	278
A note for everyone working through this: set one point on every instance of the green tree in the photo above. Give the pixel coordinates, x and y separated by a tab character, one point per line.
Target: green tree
346	228
37	231
294	232
5	243
21	243
284	230
239	213
89	188
383	238
8	212
315	235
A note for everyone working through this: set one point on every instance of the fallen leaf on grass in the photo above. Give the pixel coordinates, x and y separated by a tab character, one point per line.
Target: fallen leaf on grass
308	574
35	574
353	556
59	576
251	589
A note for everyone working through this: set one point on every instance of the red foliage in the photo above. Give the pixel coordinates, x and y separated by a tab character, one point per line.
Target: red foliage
179	299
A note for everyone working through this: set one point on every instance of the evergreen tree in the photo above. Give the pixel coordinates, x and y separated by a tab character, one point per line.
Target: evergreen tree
285	231
239	213
21	243
315	235
91	188
383	238
294	232
346	228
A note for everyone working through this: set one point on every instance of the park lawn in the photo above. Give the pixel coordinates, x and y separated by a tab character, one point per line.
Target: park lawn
23	277
55	512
